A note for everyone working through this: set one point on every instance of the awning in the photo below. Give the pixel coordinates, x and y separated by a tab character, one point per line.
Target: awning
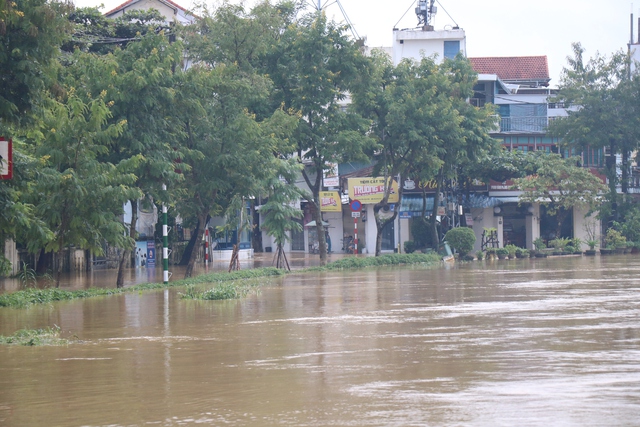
313	224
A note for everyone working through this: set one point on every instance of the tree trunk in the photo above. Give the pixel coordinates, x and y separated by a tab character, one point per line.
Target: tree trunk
126	254
186	255
435	237
322	242
59	266
194	252
234	264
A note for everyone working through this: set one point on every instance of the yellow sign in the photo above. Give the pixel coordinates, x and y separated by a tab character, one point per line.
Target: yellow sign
371	190
330	201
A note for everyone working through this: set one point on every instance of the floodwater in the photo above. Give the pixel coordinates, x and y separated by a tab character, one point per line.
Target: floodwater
534	342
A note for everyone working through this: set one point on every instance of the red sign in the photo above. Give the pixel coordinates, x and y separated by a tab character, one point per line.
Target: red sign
356	206
6	159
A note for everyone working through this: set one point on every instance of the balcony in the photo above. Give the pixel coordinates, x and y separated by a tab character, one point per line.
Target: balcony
524	124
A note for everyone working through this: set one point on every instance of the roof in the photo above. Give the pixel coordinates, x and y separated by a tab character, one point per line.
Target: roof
510	68
130	2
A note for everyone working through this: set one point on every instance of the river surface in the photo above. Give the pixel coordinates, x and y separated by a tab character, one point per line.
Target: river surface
536	342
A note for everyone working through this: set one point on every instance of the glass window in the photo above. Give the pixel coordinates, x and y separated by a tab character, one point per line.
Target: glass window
451	49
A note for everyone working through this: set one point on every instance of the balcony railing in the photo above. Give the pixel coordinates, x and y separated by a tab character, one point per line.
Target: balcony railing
524	124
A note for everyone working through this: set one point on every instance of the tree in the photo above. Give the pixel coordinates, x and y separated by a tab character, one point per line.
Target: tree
84	196
313	67
604	113
422	121
31	32
560	185
279	213
232	153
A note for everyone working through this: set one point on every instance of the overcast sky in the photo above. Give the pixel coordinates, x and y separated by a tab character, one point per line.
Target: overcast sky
493	27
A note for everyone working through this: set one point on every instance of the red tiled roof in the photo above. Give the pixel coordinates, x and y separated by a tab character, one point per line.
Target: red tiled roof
513	67
127	3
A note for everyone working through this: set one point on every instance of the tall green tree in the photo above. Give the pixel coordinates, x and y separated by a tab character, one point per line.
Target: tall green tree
313	68
31	32
604	114
78	196
560	185
279	213
231	153
422	121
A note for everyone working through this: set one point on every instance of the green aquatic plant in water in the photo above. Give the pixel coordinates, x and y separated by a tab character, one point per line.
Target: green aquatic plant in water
222	291
35	337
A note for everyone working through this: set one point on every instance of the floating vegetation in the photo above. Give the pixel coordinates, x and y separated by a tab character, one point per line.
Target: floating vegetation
235	287
383	260
223	290
35	337
30	296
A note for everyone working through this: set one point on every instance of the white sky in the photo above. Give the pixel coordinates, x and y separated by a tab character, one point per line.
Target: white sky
493	27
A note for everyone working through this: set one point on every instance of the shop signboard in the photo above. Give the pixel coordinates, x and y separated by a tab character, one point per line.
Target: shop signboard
330	201
371	190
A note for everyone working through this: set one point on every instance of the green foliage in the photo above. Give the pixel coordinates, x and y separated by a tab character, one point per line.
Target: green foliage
608	115
34	337
31	32
461	239
614	239
410	246
512	249
27	276
560	185
223	290
539	244
502	252
387	259
559	243
630	227
421	232
27	297
480	255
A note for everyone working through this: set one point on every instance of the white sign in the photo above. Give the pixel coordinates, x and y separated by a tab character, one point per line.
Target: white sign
355	214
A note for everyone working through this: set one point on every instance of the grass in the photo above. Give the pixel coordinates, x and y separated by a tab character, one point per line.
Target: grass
222	291
34	337
233	285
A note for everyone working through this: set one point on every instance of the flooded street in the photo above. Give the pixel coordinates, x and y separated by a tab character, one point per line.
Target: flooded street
533	342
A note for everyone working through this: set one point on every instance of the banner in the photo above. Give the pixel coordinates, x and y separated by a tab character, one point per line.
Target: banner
371	190
330	201
6	159
330	177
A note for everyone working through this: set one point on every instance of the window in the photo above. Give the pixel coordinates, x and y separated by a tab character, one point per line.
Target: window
451	49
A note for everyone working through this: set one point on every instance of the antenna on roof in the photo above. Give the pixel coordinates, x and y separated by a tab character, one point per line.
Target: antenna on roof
320	6
425	11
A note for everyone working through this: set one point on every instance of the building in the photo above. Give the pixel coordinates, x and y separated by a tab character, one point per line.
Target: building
172	12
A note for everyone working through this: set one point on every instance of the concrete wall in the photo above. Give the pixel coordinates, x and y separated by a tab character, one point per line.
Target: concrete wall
417	43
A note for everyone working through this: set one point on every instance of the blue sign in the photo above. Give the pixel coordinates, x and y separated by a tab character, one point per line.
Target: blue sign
356	206
151	253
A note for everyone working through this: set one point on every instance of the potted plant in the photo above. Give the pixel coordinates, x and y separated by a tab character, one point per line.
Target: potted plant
502	253
491	253
592	243
558	245
539	244
480	255
615	240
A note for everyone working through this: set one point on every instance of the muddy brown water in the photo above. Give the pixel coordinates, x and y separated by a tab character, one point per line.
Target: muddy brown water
536	342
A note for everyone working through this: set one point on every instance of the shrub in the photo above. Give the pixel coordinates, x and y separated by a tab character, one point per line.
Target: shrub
511	249
614	239
502	252
480	255
461	239
539	244
409	247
